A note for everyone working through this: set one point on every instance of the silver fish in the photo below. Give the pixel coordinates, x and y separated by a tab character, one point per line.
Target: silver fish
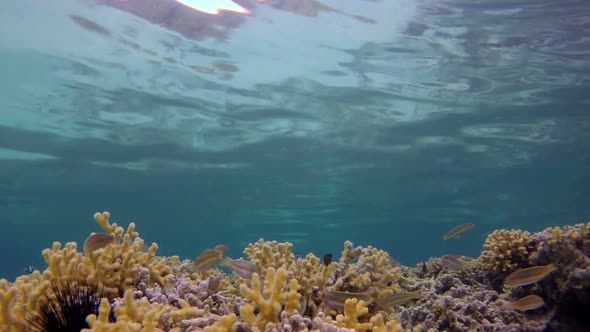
241	267
451	262
458	231
396	299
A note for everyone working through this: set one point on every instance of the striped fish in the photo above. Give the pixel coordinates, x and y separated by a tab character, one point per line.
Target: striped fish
399	298
458	231
530	302
530	275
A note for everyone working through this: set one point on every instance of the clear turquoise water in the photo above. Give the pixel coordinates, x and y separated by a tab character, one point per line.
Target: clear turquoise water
309	127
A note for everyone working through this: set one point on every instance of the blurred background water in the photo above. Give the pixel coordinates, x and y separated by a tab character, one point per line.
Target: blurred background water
385	122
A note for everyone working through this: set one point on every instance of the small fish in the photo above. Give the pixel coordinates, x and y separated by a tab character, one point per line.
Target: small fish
327	259
30	269
335	299
530	275
451	262
396	299
424	268
458	231
530	302
241	267
97	241
209	258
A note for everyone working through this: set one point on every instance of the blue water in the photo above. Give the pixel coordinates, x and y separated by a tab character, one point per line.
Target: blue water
293	123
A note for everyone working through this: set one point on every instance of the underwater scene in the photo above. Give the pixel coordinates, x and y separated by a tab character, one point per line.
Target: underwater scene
295	165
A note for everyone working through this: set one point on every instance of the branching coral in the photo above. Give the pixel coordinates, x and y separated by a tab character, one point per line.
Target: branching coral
149	293
113	269
365	270
21	297
353	310
267	254
268	301
506	250
310	274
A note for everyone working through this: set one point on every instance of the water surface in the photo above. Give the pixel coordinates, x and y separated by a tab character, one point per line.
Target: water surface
382	122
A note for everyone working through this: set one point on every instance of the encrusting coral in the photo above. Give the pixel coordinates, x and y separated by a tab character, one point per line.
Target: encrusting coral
365	290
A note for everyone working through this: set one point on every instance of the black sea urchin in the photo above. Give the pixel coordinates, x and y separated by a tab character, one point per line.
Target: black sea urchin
65	308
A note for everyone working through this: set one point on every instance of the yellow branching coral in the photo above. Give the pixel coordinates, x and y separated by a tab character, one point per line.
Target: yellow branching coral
101	322
309	272
156	294
115	266
379	325
353	309
225	324
267	254
293	298
576	234
373	269
21	297
269	300
140	315
506	250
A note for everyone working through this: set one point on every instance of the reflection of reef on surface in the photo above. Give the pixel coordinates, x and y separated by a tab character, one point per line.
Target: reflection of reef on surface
172	15
363	290
198	25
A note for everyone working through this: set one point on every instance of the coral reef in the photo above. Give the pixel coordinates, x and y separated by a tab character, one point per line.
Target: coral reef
364	290
506	250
